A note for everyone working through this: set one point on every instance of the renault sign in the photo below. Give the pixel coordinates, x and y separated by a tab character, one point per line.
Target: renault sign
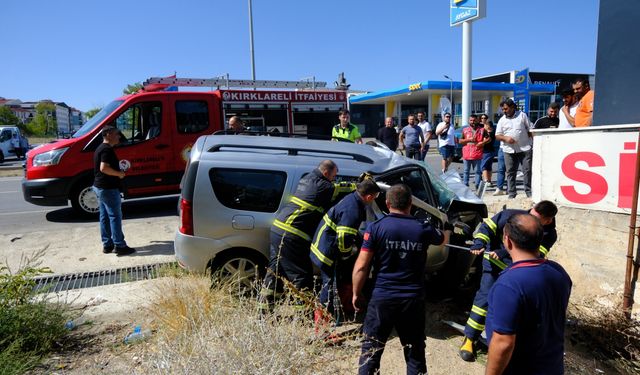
466	10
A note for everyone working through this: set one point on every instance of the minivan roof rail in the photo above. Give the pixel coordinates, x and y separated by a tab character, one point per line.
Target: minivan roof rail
291	151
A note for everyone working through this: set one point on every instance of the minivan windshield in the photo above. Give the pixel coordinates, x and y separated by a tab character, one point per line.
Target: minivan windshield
97	118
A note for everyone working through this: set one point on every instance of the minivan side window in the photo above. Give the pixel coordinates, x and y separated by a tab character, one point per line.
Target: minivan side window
140	122
247	189
192	116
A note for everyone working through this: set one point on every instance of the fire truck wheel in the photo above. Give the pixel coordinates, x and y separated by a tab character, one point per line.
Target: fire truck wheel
84	200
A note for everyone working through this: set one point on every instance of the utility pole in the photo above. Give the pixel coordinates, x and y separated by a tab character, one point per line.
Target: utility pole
253	62
466	72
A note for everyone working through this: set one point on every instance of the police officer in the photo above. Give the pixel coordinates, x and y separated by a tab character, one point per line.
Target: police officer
293	227
397	245
336	235
345	129
496	258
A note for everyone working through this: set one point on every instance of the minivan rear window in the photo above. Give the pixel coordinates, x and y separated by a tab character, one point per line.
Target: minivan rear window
247	189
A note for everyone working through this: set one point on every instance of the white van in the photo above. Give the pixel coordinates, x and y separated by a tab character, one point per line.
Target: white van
6	148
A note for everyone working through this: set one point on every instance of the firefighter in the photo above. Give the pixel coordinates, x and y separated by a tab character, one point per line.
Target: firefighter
293	227
488	239
336	236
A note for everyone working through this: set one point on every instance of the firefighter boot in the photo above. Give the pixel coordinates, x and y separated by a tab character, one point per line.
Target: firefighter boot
466	350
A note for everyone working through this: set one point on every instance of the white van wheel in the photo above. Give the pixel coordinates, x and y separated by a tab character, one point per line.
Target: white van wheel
85	201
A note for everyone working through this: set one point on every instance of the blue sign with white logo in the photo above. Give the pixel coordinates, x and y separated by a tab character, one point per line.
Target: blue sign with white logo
466	10
521	92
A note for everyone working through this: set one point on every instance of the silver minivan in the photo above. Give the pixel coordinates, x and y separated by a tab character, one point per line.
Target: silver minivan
234	185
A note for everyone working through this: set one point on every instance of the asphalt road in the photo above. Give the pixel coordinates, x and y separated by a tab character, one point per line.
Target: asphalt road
11	163
17	215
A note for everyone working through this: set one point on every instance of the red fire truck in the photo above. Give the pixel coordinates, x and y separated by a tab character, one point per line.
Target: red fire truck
161	124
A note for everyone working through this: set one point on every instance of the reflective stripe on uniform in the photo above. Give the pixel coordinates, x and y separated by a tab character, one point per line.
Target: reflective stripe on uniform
475	325
294	215
291	229
341	231
491	224
306	205
483	237
544	251
478	310
342	188
315	251
502	265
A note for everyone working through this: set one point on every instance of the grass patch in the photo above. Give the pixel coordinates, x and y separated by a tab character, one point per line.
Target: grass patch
30	326
200	329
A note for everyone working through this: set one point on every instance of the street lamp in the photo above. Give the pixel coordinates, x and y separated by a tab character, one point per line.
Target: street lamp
450	92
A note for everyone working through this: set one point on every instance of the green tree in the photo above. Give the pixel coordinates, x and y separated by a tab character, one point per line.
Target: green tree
92	112
43	122
7	117
132	88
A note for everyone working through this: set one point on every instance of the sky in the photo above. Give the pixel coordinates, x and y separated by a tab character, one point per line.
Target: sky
84	52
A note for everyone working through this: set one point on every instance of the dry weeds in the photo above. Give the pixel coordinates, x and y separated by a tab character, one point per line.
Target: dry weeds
605	332
201	330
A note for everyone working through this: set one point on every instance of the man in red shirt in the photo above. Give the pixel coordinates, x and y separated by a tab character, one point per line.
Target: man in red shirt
471	152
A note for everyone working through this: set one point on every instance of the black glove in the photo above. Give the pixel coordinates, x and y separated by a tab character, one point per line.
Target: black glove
448	226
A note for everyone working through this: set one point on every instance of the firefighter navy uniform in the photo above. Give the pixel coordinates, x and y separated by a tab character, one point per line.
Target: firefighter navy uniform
291	233
489	236
333	242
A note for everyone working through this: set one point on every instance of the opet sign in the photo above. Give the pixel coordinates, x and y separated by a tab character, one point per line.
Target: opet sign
590	168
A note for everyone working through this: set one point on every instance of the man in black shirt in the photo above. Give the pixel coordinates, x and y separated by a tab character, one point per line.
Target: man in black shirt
388	134
106	185
551	120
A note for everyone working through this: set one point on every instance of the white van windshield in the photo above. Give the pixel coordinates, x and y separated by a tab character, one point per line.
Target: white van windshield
97	118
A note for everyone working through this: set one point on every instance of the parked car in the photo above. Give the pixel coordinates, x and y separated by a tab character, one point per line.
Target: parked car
234	185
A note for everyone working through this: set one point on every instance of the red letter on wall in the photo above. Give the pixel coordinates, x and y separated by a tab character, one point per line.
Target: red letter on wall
596	182
626	175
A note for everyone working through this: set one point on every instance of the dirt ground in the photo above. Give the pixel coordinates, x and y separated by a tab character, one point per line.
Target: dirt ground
591	246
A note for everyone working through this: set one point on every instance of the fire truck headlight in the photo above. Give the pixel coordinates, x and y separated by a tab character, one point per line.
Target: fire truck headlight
49	158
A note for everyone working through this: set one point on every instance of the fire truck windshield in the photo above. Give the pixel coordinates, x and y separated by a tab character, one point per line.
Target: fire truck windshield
97	118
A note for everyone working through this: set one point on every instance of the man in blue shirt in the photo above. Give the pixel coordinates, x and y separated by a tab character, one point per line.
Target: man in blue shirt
527	306
396	245
412	139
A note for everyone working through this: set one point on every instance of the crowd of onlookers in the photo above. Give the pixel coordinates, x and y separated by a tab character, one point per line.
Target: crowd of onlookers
480	139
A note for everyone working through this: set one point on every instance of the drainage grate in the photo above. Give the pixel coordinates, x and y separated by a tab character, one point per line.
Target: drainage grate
61	283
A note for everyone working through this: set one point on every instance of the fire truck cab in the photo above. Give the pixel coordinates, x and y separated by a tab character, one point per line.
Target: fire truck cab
160	125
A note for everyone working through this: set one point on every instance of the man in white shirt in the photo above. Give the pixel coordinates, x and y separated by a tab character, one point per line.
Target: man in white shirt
513	132
426	131
570	106
446	141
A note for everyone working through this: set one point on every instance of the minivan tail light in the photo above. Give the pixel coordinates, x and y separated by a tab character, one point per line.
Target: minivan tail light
186	217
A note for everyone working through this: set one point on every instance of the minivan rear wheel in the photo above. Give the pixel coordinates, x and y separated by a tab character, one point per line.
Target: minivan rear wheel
242	269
